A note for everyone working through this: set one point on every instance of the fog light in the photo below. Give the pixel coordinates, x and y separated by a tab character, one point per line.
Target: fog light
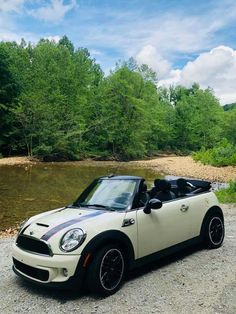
65	272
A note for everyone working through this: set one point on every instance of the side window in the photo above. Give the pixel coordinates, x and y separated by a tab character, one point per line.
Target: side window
143	199
142	196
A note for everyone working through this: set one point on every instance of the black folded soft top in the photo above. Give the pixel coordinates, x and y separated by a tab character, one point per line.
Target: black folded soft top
206	185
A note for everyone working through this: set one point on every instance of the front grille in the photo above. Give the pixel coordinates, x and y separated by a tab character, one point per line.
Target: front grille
33	245
30	271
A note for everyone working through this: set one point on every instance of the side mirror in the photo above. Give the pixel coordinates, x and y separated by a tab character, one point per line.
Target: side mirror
153	203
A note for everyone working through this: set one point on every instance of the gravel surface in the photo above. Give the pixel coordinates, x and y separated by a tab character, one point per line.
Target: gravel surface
195	281
186	166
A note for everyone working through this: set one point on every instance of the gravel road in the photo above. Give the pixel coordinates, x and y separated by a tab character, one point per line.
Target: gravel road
195	281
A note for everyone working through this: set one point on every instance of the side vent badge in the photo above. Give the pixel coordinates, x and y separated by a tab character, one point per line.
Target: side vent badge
128	222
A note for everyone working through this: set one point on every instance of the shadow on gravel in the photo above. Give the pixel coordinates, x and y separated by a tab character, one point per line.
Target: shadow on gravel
65	295
60	295
165	261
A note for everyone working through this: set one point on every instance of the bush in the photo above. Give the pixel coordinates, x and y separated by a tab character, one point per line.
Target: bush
228	195
48	153
224	154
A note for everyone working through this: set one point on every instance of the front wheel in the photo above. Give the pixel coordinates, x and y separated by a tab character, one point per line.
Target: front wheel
214	232
106	271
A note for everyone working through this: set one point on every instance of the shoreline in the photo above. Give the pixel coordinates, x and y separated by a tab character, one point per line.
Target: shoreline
167	165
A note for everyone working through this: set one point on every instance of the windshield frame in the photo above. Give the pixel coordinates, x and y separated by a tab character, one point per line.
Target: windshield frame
86	192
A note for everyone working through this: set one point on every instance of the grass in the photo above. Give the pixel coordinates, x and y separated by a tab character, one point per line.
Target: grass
228	195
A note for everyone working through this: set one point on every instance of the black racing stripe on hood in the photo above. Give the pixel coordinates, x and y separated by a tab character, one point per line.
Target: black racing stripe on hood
66	224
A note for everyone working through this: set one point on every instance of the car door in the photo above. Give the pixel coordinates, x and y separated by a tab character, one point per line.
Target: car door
173	223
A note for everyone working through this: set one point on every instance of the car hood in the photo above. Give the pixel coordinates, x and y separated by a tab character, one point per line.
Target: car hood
51	226
62	219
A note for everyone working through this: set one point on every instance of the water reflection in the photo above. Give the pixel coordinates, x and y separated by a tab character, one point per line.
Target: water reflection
28	190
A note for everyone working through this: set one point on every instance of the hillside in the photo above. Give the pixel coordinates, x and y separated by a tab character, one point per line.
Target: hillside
229	107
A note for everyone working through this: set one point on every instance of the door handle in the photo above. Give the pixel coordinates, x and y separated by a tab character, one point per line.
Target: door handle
184	208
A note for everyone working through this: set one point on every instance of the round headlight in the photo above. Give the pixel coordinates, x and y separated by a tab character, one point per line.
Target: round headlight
72	239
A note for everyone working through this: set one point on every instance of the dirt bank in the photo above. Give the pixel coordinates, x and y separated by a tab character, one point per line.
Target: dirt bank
195	281
186	166
172	165
14	161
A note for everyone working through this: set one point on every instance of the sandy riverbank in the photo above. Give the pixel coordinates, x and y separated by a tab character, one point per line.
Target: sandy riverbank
14	161
171	165
186	166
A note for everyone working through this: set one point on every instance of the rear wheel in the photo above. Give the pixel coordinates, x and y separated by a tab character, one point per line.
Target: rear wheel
214	231
106	271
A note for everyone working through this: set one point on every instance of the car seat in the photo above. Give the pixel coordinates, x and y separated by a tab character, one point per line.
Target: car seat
183	187
154	190
164	190
144	197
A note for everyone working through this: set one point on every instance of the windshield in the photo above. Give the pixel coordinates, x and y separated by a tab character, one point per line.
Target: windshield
115	194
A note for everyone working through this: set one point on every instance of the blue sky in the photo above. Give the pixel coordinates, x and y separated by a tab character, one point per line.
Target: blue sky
175	38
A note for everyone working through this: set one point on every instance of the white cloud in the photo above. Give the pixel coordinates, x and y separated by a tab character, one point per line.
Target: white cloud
149	55
9	32
54	11
215	69
172	78
172	32
95	52
55	38
51	11
11	5
7	35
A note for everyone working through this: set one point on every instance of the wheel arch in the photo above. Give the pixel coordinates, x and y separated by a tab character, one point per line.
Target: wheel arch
212	210
108	237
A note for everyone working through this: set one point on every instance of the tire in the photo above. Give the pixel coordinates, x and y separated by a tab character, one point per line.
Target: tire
214	231
106	271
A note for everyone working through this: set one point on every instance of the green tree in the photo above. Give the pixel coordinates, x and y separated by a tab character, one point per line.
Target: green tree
55	102
58	88
133	115
65	42
198	118
8	92
230	125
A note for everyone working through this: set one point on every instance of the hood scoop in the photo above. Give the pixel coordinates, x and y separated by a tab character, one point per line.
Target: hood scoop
42	225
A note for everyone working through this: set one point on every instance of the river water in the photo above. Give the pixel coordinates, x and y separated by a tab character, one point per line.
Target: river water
28	190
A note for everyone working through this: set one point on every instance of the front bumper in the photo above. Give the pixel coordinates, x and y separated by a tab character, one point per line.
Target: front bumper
44	269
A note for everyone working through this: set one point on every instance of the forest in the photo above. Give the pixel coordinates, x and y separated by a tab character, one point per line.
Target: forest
57	104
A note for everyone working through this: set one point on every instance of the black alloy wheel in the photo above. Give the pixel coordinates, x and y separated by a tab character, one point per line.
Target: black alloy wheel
106	272
111	269
215	232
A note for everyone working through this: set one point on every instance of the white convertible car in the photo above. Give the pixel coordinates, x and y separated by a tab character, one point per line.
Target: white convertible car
116	224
